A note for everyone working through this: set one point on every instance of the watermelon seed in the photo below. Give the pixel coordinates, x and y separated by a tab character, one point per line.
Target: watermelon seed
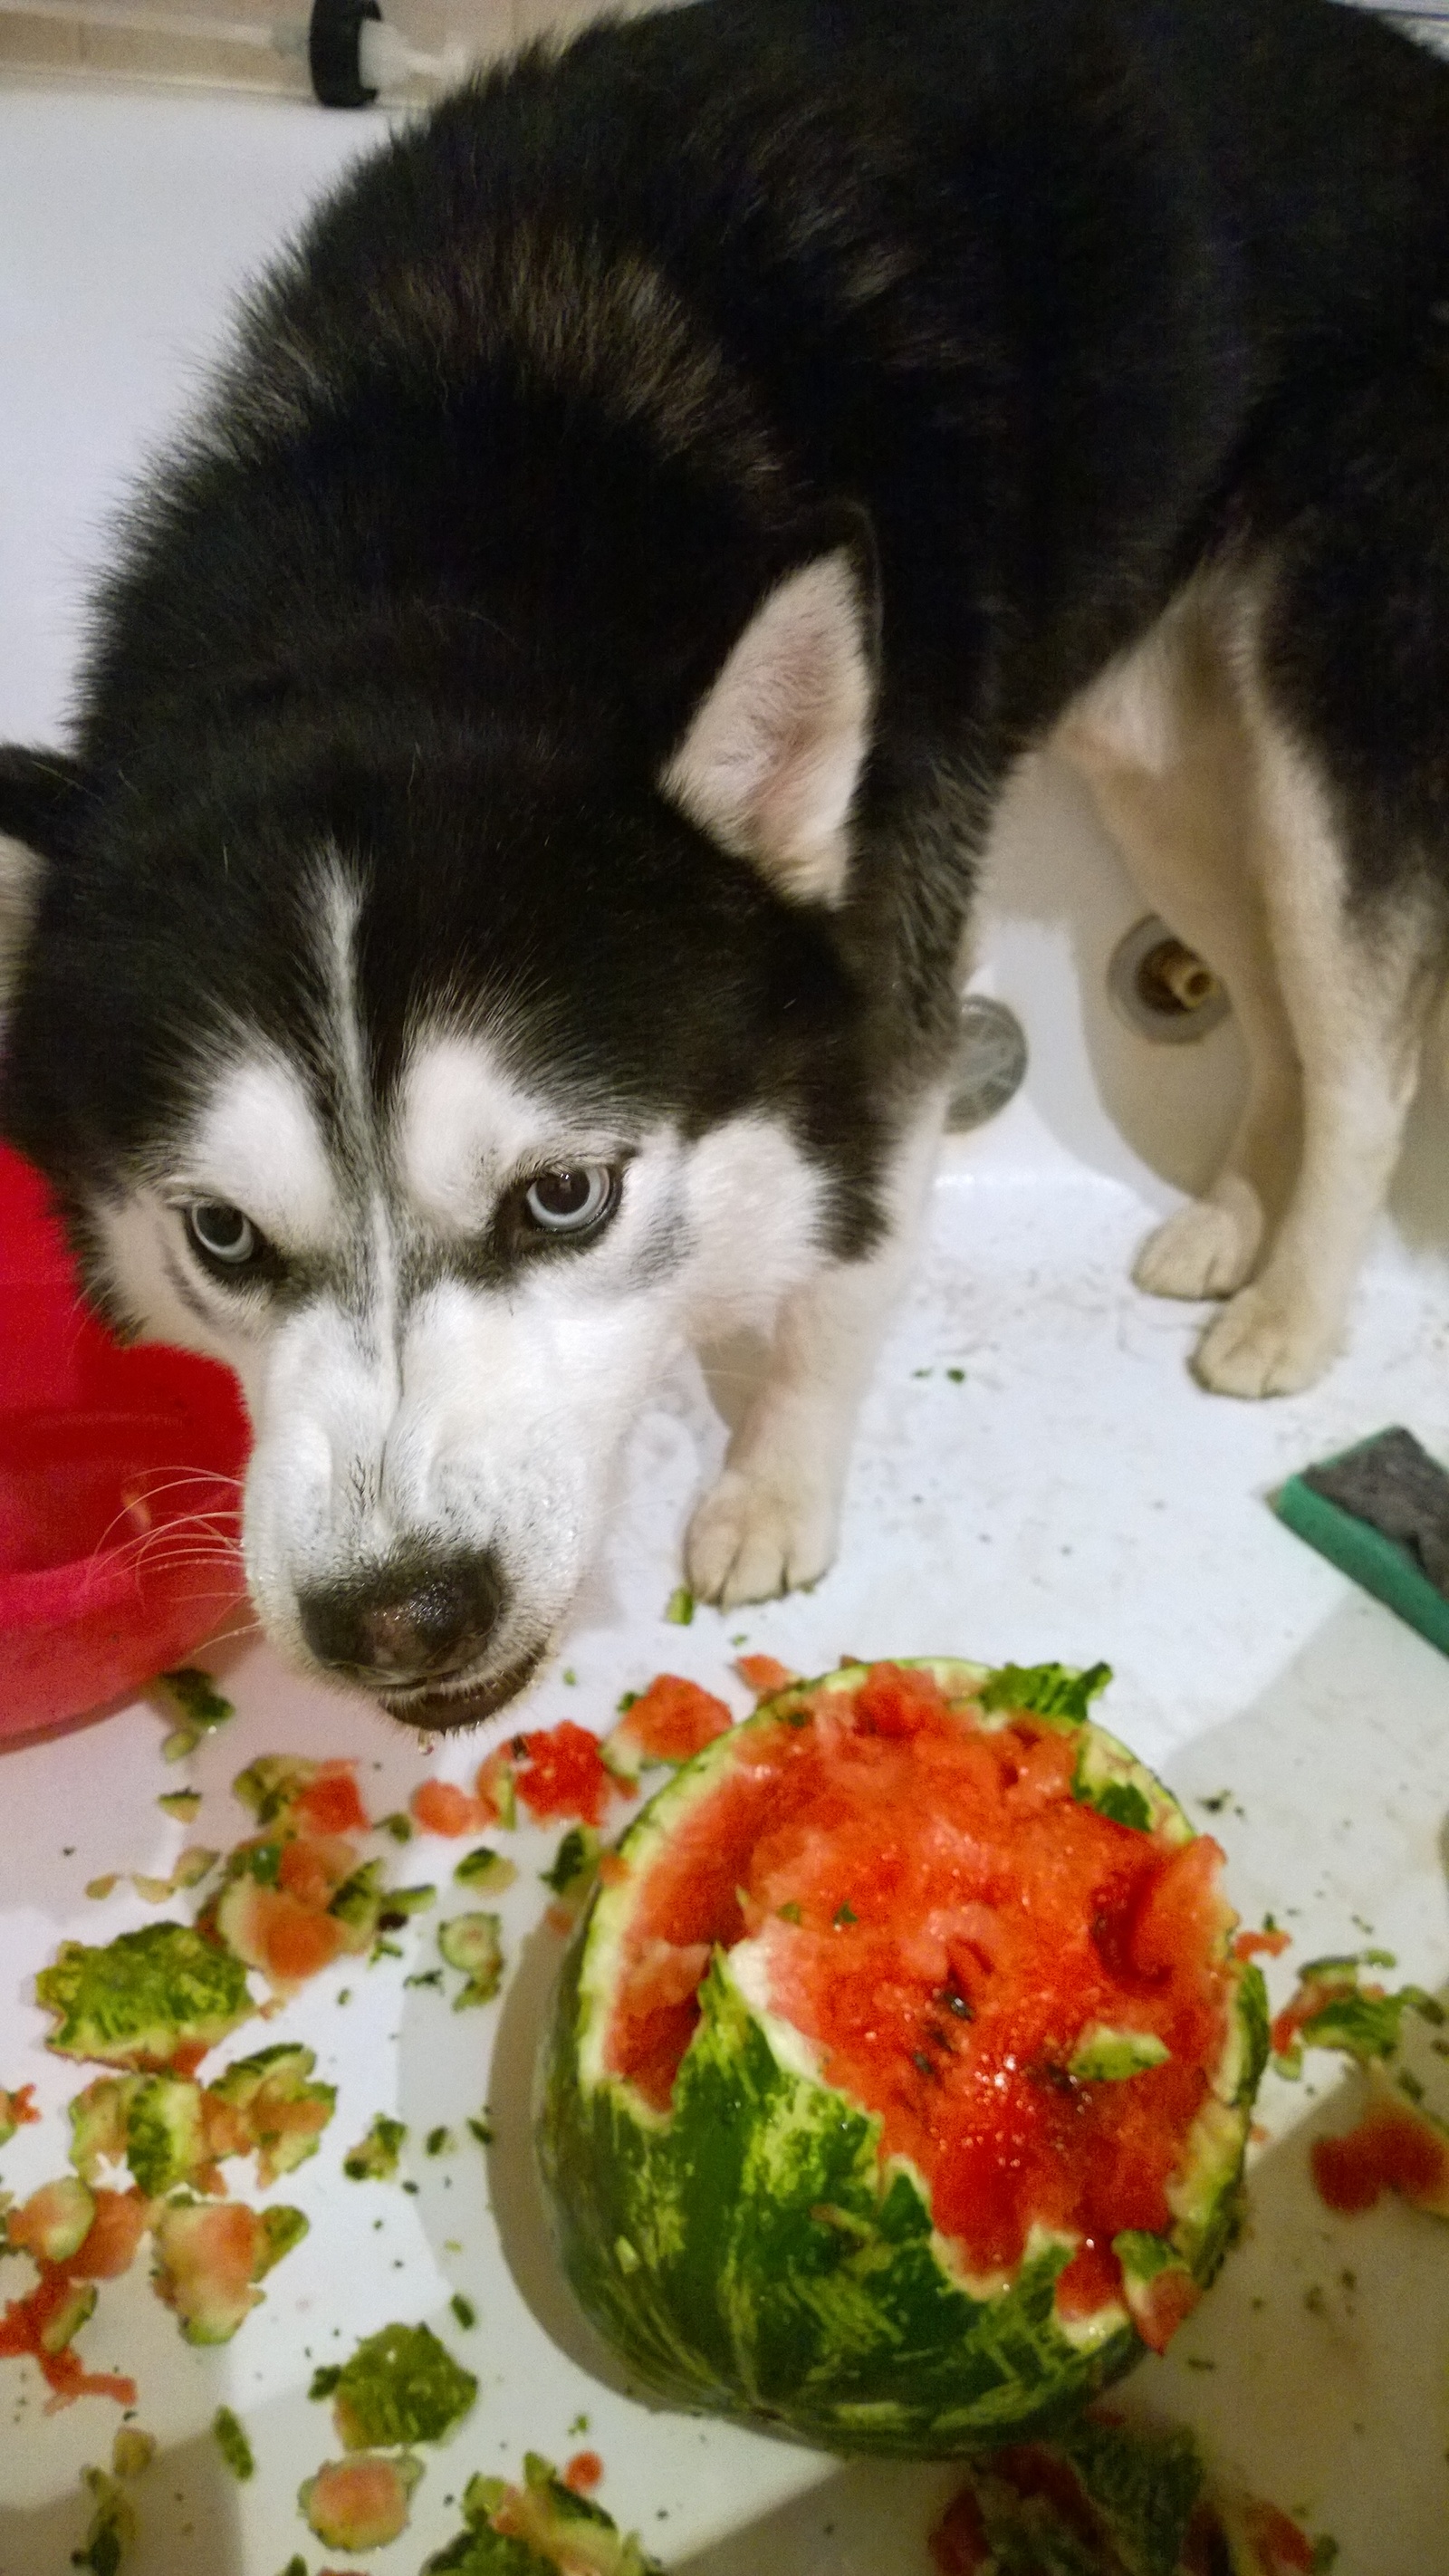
923	2064
843	1915
957	2003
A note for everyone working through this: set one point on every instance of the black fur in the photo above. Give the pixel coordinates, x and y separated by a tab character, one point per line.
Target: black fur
1064	295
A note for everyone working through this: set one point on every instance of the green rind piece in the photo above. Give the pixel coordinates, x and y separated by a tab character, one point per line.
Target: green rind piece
749	2255
147	1993
1048	1690
1254	2027
65	2322
574	1863
268	1786
282	2228
1106	2056
374	2158
485	2553
1378	1564
562	2531
1141	2484
486	1870
1145	2485
113	2528
229	2435
401	2386
165	2136
197	1696
473	1943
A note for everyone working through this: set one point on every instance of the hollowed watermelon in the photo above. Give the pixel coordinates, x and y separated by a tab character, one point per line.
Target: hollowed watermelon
900	2077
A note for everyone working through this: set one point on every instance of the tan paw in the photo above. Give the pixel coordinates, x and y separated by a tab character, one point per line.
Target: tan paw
1265	1343
1203	1250
760	1533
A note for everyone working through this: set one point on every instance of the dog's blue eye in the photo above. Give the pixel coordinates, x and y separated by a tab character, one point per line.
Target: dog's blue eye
222	1233
570	1201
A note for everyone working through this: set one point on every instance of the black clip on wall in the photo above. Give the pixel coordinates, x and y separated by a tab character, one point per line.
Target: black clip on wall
334	51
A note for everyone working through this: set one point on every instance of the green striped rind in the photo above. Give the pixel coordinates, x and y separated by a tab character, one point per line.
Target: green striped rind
746	2253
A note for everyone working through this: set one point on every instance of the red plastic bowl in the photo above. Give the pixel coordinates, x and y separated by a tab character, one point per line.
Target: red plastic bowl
119	1491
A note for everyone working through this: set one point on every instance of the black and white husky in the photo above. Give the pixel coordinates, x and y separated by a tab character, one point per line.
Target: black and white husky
504	906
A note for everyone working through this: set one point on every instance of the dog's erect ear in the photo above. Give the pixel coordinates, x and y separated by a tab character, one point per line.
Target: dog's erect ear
771	758
39	793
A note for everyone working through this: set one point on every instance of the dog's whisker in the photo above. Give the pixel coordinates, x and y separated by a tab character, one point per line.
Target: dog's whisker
139	1499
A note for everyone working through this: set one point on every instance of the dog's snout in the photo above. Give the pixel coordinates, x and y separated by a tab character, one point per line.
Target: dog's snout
408	1621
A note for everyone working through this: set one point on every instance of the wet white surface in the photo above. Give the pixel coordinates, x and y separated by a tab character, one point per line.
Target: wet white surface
1071	1493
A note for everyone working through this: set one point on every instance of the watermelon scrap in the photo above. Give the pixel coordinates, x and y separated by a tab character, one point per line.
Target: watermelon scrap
375	2157
441	1808
401	2386
210	2256
671	1721
359	2503
1102	2499
113	2529
1396	2146
545	2527
42	2324
298	1895
1335	2006
153	1999
1108	2498
560	1771
764	1674
17	2111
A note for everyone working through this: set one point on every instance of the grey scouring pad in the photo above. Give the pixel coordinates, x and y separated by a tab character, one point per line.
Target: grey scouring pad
1380	1512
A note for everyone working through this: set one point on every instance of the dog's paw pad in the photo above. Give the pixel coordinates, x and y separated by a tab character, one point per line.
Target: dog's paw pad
759	1535
1264	1344
1204	1250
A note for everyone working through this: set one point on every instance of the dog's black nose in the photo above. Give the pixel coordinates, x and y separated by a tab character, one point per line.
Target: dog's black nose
407	1621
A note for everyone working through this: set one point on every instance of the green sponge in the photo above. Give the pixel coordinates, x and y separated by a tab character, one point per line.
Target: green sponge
1380	1512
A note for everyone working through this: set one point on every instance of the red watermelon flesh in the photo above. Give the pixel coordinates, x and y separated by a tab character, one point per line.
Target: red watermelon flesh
934	1908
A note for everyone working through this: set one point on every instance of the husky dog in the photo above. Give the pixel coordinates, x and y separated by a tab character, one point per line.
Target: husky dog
503	907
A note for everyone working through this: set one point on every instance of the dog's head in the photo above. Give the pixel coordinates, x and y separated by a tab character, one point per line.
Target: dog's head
438	1079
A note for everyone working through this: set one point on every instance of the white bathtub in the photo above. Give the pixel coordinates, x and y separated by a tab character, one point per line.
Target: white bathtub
1074	1495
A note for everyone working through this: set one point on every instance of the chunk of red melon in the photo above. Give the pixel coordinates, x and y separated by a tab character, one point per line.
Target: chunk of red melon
673	1720
563	1773
1393	2148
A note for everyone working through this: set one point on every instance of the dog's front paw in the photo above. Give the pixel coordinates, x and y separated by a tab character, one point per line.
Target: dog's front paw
1204	1250
1265	1342
761	1532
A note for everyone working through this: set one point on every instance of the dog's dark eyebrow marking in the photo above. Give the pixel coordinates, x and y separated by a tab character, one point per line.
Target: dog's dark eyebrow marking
194	1305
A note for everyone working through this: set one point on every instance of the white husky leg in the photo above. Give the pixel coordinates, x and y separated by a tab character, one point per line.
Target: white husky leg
1358	992
770	1524
1164	747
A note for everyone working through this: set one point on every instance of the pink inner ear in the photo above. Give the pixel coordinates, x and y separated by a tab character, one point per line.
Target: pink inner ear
769	764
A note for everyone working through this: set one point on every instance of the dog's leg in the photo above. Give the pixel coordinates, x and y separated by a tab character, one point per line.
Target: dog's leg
770	1524
1357	986
1163	745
